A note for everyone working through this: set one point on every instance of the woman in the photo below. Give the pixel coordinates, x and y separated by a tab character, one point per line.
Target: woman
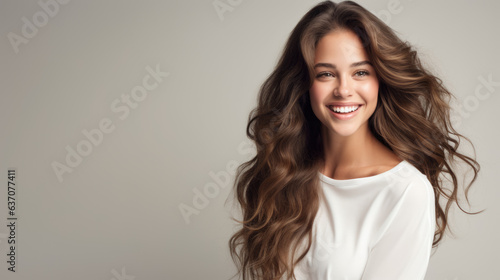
354	145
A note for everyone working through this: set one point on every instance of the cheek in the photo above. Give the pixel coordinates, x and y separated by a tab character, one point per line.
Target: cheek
316	97
317	94
370	92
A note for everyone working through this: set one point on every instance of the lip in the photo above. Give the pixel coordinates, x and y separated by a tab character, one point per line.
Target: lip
343	104
344	116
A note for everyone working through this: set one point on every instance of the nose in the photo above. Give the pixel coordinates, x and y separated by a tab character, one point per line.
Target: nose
342	88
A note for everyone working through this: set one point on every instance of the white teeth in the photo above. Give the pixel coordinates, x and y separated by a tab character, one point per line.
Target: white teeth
343	109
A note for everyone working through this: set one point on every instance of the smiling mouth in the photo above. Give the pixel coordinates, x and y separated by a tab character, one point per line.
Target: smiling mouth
343	109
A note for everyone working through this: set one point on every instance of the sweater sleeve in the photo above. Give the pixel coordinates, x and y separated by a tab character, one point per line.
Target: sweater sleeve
403	247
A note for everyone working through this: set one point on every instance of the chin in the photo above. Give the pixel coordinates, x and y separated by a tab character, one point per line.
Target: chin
345	131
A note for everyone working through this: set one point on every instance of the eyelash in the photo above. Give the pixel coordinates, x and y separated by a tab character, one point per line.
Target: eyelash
323	74
363	71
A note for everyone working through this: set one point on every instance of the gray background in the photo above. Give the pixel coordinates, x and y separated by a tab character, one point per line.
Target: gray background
116	215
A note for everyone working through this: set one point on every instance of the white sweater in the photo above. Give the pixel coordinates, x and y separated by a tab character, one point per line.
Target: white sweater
372	228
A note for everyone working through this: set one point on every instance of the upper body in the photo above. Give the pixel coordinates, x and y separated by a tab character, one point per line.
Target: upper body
377	227
376	216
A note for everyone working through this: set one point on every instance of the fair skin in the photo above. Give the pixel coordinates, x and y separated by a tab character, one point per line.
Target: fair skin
343	97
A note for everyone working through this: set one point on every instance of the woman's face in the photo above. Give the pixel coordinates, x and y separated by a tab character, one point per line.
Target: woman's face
345	88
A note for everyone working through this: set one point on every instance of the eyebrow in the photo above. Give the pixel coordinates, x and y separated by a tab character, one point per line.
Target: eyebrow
355	64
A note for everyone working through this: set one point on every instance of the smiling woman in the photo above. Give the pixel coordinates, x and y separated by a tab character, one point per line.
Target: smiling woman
343	97
349	174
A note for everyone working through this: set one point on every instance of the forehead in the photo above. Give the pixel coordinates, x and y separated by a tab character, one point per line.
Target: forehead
340	46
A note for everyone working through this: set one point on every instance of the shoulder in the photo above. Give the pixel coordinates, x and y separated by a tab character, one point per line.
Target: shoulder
410	189
406	187
408	201
405	175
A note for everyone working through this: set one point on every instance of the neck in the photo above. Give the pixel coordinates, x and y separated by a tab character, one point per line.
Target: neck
356	150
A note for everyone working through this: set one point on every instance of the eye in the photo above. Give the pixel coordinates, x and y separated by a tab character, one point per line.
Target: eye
324	74
362	73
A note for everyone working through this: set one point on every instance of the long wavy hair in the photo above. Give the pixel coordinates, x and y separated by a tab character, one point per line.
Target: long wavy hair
278	189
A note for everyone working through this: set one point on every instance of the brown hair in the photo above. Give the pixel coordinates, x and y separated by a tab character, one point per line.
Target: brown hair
278	189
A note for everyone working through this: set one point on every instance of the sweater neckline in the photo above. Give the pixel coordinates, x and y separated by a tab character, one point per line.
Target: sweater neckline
361	180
